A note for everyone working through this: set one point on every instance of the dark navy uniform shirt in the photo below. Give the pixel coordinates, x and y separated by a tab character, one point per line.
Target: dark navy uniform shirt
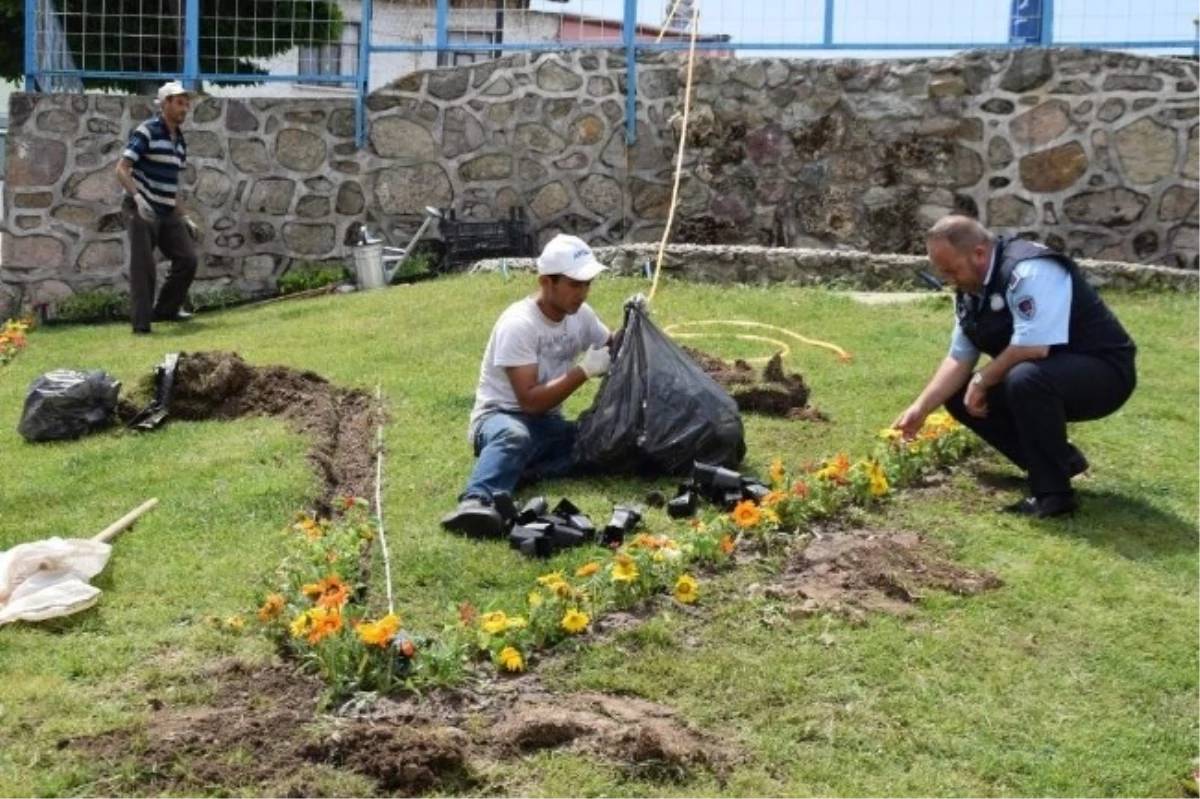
157	161
1039	298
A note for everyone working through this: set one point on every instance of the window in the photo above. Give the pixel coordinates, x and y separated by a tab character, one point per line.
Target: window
456	57
339	58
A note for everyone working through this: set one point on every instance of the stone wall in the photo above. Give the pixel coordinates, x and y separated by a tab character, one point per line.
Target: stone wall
1094	153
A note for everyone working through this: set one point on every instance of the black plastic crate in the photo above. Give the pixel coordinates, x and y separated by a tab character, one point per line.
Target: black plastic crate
475	240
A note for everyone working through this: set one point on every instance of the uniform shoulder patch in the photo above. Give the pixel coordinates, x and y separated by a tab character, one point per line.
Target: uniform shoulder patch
1025	306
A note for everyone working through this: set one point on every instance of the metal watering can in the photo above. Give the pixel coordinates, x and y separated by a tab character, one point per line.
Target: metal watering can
371	257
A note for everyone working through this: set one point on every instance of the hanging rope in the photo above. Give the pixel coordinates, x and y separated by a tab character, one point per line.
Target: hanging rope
687	106
383	543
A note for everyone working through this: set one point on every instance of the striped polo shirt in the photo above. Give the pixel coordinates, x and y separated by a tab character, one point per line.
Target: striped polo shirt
157	161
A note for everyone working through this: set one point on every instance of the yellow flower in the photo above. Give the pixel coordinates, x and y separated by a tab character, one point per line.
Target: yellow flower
300	625
494	623
770	516
323	622
535	599
624	569
685	589
235	623
746	514
551	579
271	608
516	623
879	481
890	433
510	659
587	569
775	472
379	633
575	621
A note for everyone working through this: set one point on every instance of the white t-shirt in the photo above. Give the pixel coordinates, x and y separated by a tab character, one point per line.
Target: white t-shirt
522	336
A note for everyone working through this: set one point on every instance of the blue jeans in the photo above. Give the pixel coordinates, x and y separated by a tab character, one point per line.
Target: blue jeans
515	445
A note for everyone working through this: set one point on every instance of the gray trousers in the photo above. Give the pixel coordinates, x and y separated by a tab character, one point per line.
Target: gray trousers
171	237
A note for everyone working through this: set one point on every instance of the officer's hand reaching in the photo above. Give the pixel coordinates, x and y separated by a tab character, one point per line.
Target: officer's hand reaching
595	361
144	209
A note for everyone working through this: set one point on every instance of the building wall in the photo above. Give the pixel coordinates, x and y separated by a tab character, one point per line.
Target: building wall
1094	153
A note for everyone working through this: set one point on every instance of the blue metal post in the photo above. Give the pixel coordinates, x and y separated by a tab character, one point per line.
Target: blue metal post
829	21
1047	23
364	72
31	45
191	45
628	37
443	30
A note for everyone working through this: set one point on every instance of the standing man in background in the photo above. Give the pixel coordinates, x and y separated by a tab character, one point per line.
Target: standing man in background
149	170
1058	355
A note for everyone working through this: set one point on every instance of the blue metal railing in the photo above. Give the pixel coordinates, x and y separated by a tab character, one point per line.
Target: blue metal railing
1031	23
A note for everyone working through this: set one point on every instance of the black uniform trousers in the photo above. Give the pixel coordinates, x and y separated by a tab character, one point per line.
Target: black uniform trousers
1028	412
171	237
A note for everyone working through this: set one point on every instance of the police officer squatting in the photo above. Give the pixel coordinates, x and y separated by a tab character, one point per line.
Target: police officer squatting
1057	354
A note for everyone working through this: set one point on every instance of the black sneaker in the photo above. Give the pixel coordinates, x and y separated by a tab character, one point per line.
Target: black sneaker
475	519
1044	507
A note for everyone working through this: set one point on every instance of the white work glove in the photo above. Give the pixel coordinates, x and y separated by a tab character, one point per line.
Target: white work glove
144	209
638	301
595	361
192	229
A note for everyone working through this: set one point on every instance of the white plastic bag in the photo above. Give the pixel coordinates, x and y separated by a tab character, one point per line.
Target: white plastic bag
46	579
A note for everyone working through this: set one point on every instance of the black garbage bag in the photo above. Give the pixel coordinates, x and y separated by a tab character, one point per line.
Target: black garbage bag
657	412
66	404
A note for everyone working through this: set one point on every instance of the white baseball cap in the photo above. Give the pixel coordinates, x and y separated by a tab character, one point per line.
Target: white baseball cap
168	90
571	257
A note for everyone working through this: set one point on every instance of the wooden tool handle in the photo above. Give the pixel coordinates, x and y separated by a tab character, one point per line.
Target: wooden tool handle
111	532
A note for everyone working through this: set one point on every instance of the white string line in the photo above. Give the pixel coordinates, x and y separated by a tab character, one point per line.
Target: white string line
383	544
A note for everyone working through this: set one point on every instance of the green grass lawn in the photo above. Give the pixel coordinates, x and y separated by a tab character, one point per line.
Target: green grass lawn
1078	677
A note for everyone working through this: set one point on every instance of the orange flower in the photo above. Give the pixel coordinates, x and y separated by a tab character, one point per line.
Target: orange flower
773	498
271	608
467	614
800	488
726	544
746	514
587	569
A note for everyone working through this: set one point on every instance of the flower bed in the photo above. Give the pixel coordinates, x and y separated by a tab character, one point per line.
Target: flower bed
13	338
318	609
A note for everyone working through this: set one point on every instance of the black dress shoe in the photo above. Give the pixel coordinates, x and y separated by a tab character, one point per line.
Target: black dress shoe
179	316
1044	507
474	519
1077	464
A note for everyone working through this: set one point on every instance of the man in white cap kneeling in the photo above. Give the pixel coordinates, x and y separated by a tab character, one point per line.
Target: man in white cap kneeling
529	368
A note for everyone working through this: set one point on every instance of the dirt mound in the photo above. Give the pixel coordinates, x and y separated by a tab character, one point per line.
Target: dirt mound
220	385
773	393
859	571
262	729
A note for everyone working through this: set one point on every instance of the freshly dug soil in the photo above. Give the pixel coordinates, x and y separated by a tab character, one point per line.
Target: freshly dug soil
261	735
857	571
220	385
773	393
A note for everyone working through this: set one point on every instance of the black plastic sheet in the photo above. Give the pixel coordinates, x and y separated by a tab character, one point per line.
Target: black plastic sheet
657	411
66	404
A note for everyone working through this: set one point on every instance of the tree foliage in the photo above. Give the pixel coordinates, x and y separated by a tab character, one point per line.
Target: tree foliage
146	36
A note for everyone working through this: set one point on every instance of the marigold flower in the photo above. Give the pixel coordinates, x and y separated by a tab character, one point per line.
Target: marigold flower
800	488
587	569
323	622
300	625
235	623
770	516
575	621
774	498
879	481
776	471
510	659
890	433
494	623
466	614
685	589
516	623
330	592
726	544
624	569
551	579
746	514
271	607
378	633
